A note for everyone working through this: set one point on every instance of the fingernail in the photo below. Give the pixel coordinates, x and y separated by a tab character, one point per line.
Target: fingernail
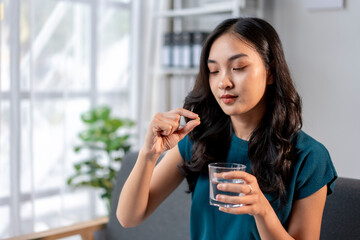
219	197
225	175
221	186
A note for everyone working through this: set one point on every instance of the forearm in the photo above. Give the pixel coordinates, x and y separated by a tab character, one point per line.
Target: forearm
270	227
143	192
134	197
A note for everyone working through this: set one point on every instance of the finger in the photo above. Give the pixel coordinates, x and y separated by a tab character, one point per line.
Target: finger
188	127
163	129
171	116
234	187
170	125
236	200
186	113
166	124
218	174
238	210
247	177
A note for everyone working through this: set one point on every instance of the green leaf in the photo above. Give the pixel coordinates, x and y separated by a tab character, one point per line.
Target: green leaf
69	181
116	122
105	195
77	149
117	143
88	117
102	112
126	148
93	147
78	166
127	122
94	164
86	135
87	183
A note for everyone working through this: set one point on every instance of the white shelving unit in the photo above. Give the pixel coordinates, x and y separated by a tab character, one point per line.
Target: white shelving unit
166	88
211	8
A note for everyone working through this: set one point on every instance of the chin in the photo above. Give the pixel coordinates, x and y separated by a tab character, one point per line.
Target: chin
234	110
230	111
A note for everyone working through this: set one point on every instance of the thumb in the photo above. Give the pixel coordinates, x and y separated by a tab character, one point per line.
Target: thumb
188	127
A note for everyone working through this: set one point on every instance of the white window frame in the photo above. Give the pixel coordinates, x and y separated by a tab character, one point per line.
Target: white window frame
15	96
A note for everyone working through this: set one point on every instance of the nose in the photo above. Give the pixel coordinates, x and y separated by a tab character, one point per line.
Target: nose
226	82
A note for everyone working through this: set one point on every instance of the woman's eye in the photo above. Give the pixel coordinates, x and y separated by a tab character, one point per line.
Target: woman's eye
213	72
238	68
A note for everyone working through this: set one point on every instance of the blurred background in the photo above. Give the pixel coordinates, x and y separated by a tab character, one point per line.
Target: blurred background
61	58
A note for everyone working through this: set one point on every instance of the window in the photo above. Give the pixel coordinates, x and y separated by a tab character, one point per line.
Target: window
58	59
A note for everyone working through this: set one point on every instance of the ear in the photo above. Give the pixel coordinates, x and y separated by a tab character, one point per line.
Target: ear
269	79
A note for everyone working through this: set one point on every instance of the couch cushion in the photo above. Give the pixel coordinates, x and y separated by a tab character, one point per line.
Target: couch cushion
341	219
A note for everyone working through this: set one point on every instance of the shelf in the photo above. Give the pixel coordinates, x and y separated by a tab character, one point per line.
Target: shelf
223	7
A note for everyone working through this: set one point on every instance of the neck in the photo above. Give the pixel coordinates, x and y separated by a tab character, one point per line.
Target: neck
243	129
244	124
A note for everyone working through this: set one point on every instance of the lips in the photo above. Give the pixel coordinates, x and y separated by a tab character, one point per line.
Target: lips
228	98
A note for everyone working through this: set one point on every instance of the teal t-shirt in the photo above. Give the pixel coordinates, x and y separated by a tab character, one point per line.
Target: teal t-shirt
311	171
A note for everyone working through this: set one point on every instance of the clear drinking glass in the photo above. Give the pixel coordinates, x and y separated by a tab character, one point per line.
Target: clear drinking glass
214	172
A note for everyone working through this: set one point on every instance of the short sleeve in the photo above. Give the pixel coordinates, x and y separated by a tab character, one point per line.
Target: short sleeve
316	171
185	148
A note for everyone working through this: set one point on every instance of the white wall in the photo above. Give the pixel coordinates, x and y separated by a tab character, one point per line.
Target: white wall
323	53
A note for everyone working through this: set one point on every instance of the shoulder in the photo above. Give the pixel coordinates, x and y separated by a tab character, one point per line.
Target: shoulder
313	167
308	146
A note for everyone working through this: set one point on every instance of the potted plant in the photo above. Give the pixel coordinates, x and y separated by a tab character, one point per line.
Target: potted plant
107	144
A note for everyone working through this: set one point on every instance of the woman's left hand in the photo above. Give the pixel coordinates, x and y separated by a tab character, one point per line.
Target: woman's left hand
254	201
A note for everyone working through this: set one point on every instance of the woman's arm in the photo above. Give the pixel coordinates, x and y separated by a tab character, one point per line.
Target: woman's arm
306	214
147	187
305	219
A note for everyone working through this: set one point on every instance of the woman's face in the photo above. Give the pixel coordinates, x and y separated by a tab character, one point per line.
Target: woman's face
237	77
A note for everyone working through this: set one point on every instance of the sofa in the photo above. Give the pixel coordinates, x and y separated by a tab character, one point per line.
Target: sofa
341	219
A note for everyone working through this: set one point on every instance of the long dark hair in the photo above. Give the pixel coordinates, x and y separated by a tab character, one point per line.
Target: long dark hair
271	147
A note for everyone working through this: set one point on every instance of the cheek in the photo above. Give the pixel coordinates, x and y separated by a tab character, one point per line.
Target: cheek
253	86
213	85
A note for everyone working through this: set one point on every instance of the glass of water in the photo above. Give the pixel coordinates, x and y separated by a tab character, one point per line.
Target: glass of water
215	170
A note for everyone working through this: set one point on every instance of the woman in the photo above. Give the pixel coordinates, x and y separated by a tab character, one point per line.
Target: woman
251	114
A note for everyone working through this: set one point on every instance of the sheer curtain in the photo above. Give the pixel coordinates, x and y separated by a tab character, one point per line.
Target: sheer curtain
58	59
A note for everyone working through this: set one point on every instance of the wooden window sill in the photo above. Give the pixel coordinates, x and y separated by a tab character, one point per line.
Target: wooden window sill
84	229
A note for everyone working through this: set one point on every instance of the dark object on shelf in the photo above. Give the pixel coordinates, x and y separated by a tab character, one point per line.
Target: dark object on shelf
183	49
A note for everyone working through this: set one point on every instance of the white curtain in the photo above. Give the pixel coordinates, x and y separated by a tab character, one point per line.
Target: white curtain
58	59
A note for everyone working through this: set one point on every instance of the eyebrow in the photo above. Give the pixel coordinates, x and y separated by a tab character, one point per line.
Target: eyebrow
232	58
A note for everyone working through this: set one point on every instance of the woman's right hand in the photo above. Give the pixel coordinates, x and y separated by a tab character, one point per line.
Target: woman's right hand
164	131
